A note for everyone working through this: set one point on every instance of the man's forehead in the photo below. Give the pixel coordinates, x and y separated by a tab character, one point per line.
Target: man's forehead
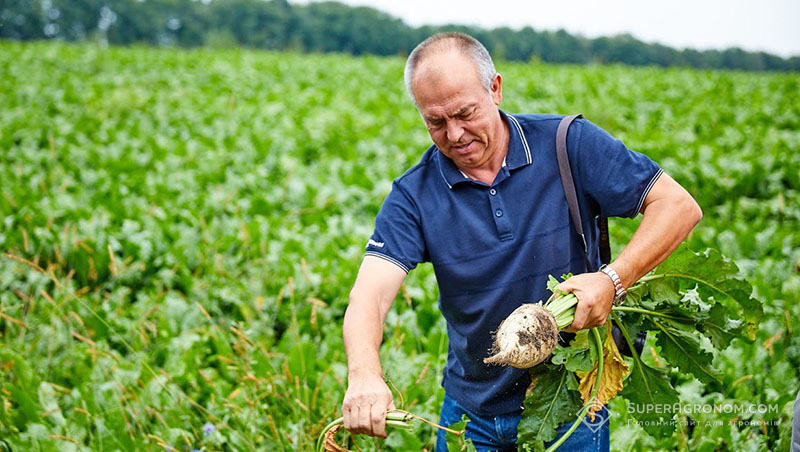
447	83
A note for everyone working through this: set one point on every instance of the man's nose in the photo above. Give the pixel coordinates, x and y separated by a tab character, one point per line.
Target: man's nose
454	131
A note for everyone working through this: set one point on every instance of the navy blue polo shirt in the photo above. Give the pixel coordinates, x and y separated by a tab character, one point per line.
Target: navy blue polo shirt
493	246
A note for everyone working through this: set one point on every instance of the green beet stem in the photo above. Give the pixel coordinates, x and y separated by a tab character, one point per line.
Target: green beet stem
405	425
598	341
648	312
563	309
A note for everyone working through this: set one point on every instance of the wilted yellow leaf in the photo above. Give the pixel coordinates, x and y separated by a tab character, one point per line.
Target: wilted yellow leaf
614	370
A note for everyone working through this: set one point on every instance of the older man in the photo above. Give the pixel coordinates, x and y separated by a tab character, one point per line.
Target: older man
486	207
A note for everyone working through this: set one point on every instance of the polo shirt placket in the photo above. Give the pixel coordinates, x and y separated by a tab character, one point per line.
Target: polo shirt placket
518	155
501	219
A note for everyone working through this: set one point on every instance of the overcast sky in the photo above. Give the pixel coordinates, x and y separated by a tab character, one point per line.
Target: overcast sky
769	25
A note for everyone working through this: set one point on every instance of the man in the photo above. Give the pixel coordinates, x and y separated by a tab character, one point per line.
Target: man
486	206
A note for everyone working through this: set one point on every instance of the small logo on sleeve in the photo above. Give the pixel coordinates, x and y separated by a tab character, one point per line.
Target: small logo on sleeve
374	243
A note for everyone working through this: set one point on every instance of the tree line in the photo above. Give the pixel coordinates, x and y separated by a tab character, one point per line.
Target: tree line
332	27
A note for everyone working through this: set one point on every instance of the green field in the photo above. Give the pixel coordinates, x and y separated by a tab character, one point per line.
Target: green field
181	229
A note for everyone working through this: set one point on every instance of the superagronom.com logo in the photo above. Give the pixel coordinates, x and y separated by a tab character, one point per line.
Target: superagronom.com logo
599	417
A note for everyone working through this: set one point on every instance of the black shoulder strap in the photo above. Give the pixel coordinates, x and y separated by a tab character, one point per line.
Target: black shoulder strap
572	199
605	247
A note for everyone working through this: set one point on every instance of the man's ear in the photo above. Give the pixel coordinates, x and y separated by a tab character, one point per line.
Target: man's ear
497	89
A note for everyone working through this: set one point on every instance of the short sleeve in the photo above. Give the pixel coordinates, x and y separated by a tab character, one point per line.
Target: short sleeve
398	233
616	178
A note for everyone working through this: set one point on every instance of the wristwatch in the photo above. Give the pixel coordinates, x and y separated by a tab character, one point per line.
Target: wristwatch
619	291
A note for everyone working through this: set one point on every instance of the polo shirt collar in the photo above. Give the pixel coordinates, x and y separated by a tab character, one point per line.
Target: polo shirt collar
519	154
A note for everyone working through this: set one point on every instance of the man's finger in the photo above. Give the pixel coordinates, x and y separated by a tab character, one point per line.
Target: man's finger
355	421
378	421
364	420
601	321
346	417
601	316
563	287
580	319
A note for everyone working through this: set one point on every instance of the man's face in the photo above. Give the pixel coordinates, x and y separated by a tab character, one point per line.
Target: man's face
461	117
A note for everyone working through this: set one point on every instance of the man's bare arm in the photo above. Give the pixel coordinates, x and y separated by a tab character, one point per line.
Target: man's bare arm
669	214
368	398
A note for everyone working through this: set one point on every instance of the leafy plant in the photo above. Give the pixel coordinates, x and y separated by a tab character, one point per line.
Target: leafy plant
687	299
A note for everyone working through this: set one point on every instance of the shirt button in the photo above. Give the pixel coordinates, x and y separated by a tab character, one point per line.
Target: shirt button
498	213
492	192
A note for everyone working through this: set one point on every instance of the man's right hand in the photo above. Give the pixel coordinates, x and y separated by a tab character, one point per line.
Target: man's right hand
366	402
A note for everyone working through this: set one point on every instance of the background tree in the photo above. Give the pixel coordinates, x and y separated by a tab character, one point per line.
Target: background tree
331	27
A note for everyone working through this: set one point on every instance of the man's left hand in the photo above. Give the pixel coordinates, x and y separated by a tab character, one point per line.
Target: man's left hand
595	293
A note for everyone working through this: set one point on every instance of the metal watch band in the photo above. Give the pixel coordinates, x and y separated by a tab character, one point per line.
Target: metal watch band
619	291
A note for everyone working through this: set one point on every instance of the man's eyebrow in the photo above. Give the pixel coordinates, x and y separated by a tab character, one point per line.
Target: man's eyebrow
460	111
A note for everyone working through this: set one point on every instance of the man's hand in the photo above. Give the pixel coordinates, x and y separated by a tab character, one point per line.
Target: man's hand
595	293
365	404
368	398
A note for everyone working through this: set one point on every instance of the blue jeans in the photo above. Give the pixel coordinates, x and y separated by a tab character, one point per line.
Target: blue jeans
499	433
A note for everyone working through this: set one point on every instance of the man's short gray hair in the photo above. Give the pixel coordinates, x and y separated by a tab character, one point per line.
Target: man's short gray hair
462	42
